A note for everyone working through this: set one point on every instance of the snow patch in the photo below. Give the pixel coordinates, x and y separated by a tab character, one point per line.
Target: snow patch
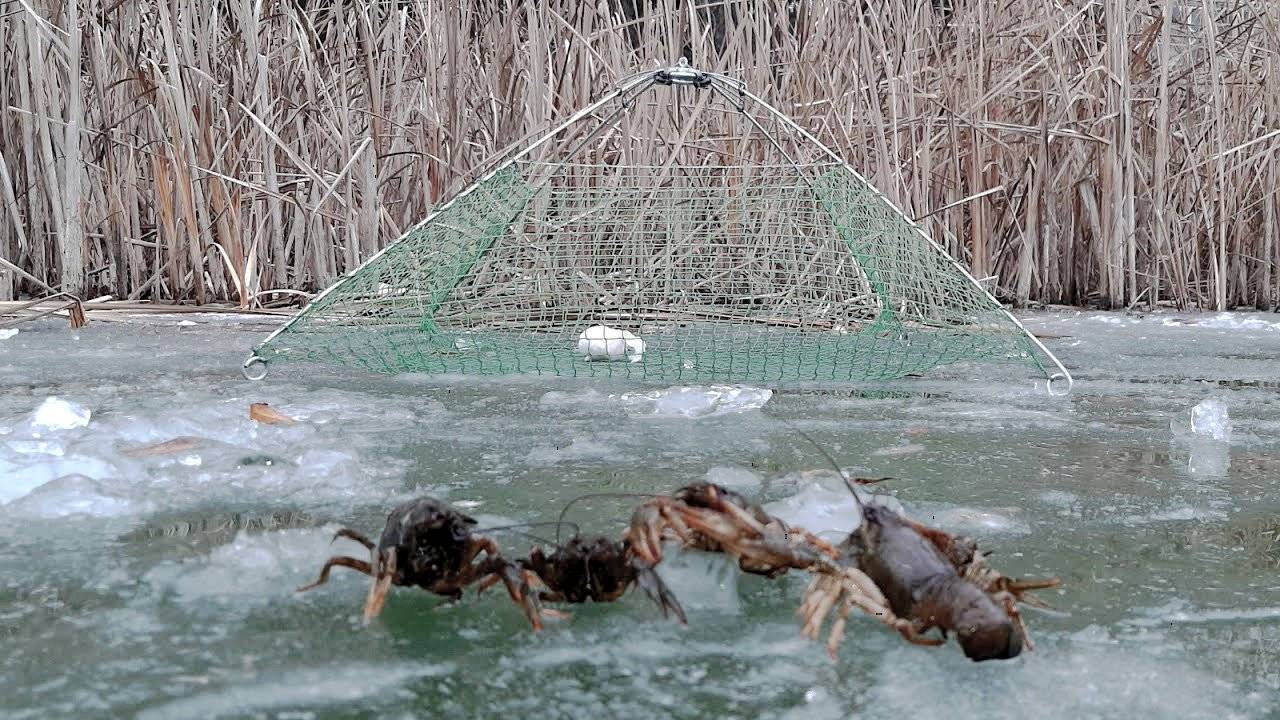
1237	321
1180	612
898	450
20	475
577	450
1087	674
57	414
1177	514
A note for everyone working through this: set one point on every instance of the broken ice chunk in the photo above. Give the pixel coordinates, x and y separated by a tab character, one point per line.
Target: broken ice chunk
1208	420
58	414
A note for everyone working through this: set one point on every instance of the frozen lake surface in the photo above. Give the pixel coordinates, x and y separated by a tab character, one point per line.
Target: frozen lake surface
159	585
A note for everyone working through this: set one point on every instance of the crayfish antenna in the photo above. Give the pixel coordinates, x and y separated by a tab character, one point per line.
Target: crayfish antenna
848	482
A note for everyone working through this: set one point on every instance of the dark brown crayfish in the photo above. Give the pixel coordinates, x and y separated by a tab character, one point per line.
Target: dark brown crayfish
429	544
600	570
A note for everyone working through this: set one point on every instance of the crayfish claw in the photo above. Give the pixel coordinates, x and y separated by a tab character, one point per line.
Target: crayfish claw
645	534
384	575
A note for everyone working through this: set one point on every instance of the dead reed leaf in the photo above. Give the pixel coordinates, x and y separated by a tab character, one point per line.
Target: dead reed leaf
267	415
167	447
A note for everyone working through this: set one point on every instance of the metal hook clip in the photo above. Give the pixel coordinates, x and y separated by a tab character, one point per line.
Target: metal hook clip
253	360
1058	378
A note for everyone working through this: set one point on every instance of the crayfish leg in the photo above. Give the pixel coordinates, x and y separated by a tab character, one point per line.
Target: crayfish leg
837	631
912	634
653	586
337	561
350	534
819	598
516	582
959	551
1009	602
1020	589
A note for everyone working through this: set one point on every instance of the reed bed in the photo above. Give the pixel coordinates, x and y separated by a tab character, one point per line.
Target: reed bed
1102	152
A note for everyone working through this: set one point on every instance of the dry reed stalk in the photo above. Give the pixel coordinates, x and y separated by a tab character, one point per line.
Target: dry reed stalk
154	152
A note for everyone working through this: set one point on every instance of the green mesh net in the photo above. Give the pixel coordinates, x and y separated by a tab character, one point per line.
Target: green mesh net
640	249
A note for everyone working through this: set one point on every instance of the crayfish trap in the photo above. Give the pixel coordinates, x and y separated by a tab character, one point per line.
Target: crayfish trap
679	229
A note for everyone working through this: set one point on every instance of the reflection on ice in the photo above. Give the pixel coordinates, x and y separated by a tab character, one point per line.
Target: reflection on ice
1206	431
977	522
1090	674
696	401
255	567
1209	459
77	495
734	478
336	685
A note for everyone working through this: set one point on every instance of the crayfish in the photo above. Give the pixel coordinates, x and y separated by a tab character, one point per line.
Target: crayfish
709	517
914	578
600	570
429	544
